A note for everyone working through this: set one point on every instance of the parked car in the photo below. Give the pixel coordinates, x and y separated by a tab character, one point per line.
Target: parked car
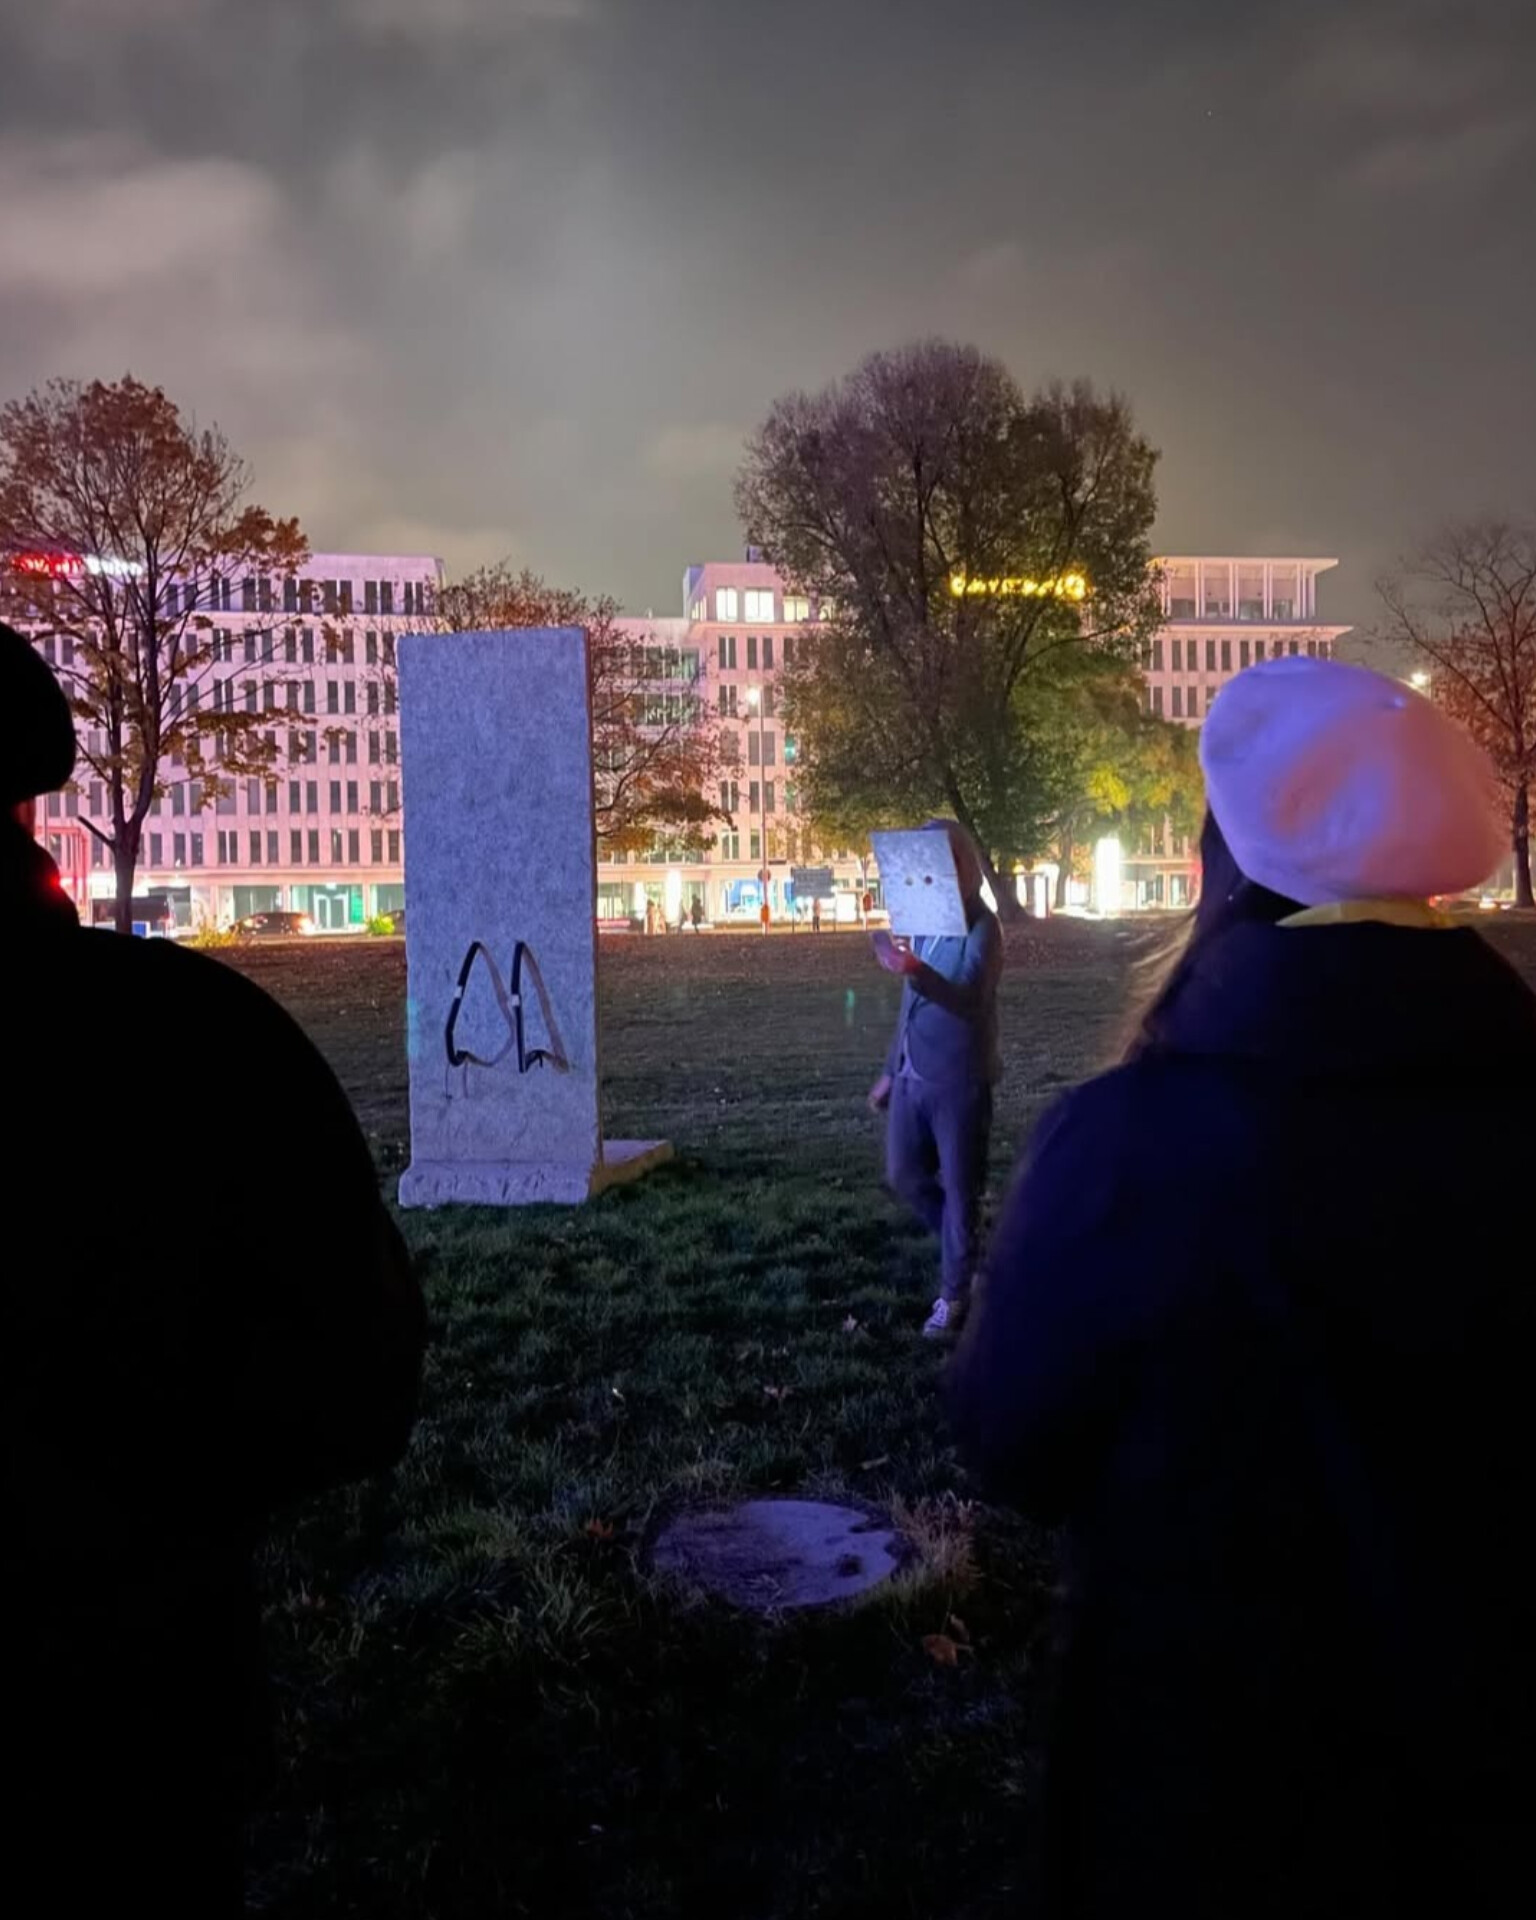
274	926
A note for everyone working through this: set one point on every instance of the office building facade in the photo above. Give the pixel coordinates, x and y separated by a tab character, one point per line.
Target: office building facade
1220	615
321	832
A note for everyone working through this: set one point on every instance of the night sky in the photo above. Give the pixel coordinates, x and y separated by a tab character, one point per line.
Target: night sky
487	277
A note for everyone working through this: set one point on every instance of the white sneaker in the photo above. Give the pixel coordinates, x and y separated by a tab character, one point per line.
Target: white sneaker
945	1321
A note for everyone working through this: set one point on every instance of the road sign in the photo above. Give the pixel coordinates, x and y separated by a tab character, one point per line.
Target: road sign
812	883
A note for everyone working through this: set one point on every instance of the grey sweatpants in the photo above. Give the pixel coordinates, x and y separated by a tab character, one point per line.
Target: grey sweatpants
936	1141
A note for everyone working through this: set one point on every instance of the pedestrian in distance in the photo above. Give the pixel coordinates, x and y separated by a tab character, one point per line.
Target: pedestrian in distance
940	1071
1258	1328
179	1369
696	913
816	915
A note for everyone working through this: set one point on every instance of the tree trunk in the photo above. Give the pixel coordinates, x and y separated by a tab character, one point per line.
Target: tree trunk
1004	890
125	864
1522	834
1063	872
1005	893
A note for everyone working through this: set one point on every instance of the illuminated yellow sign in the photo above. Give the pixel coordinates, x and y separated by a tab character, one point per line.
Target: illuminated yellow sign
1065	586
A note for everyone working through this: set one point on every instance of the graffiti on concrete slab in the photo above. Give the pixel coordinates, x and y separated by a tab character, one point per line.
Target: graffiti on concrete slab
511	997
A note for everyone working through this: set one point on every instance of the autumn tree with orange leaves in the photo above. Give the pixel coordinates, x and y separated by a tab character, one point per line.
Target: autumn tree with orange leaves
124	532
655	752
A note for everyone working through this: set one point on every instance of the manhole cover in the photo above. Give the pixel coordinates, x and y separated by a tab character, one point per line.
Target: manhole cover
770	1554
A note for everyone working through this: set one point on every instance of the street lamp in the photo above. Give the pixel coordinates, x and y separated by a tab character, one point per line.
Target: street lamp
755	702
1419	680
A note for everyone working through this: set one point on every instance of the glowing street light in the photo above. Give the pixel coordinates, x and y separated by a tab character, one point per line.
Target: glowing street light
1419	680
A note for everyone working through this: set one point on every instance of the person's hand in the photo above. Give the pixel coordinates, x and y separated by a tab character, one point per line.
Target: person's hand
893	958
880	1094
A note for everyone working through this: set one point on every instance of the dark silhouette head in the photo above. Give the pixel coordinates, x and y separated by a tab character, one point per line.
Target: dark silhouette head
37	734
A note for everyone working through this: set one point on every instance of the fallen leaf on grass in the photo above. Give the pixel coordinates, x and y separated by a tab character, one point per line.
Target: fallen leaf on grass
599	1529
868	1466
850	1325
958	1628
776	1393
943	1651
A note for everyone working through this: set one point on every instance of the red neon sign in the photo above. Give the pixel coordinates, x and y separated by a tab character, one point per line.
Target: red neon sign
74	566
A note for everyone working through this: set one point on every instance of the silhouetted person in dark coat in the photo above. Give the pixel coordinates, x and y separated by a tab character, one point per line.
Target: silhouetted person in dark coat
208	1315
1258	1328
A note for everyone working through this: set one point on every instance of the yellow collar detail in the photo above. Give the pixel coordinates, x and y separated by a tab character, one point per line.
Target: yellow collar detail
1391	912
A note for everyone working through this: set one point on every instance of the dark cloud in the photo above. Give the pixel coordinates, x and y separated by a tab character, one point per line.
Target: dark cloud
517	275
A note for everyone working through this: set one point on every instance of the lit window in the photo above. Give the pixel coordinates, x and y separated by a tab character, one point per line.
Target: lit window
759	604
796	607
727	603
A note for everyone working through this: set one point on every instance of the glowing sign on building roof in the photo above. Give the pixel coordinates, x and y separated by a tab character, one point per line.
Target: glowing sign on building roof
76	566
1062	586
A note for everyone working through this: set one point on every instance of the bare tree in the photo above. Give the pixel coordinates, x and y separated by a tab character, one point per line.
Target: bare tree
1465	602
126	533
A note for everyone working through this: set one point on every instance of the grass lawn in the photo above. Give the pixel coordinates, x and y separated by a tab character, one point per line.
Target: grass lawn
486	1705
